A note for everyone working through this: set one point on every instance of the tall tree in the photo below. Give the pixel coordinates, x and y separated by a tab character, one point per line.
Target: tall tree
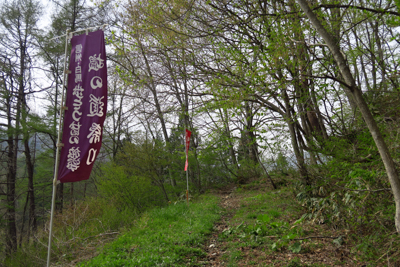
356	93
19	28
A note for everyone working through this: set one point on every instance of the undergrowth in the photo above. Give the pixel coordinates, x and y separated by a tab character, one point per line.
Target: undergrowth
357	199
77	233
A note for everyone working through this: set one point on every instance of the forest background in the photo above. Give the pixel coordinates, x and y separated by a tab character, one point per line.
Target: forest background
308	89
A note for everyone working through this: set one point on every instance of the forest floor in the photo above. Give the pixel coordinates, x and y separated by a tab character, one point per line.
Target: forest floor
259	227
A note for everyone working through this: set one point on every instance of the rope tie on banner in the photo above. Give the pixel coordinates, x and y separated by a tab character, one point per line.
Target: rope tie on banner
69	35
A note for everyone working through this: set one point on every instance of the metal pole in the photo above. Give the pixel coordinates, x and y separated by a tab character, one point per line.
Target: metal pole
57	160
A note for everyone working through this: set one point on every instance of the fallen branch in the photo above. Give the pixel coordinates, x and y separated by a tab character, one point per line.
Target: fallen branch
317	237
310	237
364	190
99	235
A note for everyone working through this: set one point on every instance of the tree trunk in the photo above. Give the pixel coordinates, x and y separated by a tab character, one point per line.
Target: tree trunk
31	192
11	235
297	152
59	197
60	187
251	142
227	132
29	163
153	89
23	222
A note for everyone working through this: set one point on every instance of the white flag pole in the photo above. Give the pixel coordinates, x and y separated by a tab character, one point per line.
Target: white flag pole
57	160
187	182
187	166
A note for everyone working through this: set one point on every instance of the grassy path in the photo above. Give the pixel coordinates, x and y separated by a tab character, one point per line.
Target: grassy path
260	227
169	236
246	226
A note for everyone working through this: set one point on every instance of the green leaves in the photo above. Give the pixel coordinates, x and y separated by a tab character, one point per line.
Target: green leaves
338	241
296	247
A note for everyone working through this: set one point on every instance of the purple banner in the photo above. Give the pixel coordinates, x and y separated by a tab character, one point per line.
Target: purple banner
86	107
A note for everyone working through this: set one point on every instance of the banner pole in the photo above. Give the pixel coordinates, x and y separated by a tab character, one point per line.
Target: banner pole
187	186
187	144
57	159
53	201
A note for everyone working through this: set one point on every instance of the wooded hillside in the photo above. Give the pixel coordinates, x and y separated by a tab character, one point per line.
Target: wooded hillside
309	90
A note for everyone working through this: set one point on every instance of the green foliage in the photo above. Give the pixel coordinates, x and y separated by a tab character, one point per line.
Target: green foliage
248	63
247	170
394	21
266	226
282	163
349	198
212	168
353	197
150	164
170	236
127	191
295	263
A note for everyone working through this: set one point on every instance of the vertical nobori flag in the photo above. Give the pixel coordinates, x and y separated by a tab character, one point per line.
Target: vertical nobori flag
187	143
86	106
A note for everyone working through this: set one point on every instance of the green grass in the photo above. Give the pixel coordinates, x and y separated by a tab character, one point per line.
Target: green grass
170	236
260	216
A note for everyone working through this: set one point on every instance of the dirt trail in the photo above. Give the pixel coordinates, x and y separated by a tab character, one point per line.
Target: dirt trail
214	248
326	254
